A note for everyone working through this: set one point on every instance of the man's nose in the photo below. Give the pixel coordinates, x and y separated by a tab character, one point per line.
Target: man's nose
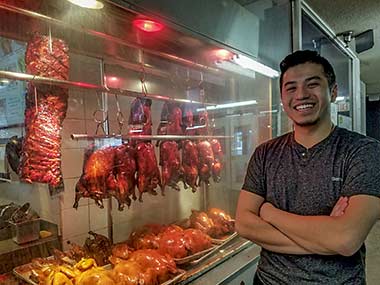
302	93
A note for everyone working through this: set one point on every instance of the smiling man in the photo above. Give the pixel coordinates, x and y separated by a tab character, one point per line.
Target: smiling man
311	196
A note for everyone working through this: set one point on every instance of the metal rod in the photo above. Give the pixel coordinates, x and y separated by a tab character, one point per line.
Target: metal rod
106	37
145	137
100	88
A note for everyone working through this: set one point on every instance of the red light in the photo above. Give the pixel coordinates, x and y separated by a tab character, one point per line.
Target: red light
148	25
223	54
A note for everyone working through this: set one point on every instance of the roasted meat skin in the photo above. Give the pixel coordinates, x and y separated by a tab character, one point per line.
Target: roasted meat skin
201	221
120	252
218	160
162	265
171	168
148	174
190	162
93	183
206	161
224	224
98	247
122	183
45	111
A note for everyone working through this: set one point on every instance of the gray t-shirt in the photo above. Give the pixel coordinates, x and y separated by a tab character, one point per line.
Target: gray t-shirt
309	182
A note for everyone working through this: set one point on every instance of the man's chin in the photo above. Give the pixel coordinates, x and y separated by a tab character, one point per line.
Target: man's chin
306	123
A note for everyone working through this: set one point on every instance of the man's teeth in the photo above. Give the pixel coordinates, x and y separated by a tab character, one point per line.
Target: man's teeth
305	106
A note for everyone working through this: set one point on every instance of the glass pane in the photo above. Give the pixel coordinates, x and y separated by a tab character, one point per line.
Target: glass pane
314	39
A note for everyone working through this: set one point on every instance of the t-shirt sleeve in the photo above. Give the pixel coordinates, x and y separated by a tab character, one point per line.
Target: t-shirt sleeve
254	178
363	171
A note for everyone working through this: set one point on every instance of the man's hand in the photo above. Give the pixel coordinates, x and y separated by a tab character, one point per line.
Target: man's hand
339	207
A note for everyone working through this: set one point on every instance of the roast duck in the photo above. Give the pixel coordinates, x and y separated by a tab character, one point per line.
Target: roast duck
45	111
216	223
170	158
140	121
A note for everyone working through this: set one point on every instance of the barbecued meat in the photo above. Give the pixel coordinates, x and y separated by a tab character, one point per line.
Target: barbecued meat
145	237
224	224
98	247
188	119
196	241
120	252
95	276
130	272
122	182
201	121
98	166
170	162
45	111
148	174
201	221
190	162
162	265
218	158
206	161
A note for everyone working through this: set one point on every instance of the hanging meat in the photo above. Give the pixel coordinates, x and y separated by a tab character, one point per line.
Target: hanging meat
170	159
97	168
190	162
201	122
148	174
218	158
206	161
188	124
45	111
122	183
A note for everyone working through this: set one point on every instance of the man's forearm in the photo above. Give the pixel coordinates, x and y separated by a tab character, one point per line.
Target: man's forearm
262	233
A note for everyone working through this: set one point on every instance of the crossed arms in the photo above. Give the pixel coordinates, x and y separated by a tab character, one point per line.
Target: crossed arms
343	232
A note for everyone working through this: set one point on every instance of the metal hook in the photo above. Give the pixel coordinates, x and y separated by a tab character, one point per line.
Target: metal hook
100	122
119	115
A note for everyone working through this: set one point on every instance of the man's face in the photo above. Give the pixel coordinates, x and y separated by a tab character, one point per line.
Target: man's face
306	95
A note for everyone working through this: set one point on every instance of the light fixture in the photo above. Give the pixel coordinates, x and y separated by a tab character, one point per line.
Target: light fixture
230	66
148	25
228	105
254	65
91	4
223	54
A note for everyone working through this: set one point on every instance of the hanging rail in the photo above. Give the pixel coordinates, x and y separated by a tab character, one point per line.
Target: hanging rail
107	37
146	137
83	85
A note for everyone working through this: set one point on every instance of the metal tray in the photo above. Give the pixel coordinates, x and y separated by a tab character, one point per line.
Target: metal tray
224	239
190	258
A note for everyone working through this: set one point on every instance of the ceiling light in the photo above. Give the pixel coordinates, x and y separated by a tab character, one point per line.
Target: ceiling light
148	25
223	54
229	66
254	65
91	4
229	105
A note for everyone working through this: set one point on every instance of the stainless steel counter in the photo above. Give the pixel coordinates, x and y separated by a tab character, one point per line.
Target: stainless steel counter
237	260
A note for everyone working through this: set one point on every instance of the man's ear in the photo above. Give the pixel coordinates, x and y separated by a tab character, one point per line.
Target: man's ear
334	93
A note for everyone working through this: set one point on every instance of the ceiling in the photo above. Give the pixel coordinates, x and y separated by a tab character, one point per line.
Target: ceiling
358	16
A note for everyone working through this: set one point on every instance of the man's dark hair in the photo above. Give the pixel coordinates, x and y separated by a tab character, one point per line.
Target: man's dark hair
303	56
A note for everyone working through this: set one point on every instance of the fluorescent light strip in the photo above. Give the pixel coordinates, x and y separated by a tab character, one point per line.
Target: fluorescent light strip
340	98
91	4
233	67
229	105
254	65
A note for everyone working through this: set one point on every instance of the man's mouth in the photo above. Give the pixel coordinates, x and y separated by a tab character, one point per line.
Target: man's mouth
304	107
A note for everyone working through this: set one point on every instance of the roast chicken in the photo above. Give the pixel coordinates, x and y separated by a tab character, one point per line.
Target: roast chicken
224	224
216	223
98	166
182	243
162	265
145	237
128	272
98	247
120	252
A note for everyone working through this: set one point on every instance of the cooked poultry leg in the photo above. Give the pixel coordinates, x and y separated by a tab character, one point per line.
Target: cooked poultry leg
190	162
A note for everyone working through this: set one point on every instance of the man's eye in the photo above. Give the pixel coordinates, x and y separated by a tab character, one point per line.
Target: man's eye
313	84
290	89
